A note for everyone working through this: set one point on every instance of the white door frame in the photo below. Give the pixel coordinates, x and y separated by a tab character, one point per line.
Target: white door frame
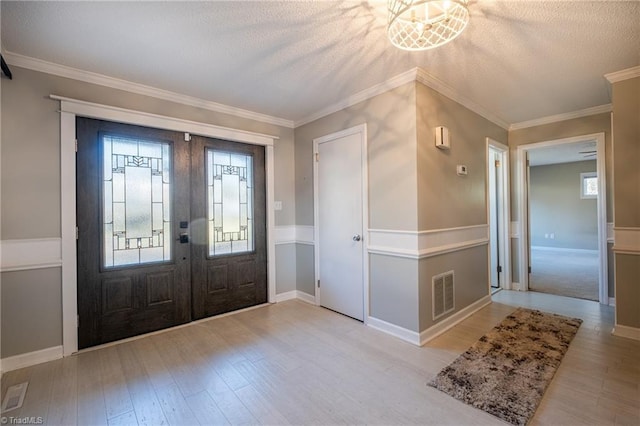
362	131
69	109
521	194
504	209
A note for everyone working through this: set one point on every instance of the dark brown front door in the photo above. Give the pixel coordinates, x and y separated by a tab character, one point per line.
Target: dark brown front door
151	233
228	206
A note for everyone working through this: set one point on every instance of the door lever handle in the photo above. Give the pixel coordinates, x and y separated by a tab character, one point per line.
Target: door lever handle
184	238
357	237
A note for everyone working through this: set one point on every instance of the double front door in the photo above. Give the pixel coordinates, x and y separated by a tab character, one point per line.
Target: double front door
169	230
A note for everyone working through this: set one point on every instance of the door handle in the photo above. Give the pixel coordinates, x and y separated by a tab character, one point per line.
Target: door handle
357	237
184	238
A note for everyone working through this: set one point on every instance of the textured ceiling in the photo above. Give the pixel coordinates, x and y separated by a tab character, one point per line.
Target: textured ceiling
521	60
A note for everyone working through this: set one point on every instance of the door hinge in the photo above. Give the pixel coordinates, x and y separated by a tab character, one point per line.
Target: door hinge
499	268
76	145
317	157
187	137
77	321
318	283
529	269
76	232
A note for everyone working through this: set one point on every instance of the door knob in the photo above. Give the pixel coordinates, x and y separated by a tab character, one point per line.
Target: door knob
356	237
184	238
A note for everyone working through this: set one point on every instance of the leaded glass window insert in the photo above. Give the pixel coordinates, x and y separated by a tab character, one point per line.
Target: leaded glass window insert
136	206
229	203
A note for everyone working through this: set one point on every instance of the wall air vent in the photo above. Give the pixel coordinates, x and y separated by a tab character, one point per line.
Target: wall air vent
442	294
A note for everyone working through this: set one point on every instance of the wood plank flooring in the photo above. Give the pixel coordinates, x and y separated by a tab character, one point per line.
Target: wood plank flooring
294	363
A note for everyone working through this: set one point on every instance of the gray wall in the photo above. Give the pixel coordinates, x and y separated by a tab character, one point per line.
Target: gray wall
30	188
413	186
626	193
556	207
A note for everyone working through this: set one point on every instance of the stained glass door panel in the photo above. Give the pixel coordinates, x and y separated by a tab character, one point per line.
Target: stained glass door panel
229	266
136	201
132	192
229	202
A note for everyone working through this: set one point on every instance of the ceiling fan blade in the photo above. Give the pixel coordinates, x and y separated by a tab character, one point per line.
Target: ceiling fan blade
586	152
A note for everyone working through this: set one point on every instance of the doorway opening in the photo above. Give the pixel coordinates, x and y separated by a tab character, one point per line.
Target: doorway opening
498	215
72	108
562	204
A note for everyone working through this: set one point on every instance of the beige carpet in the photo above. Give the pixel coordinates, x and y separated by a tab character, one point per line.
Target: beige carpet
506	372
565	273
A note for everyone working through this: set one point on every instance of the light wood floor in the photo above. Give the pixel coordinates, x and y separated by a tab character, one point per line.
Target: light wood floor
294	363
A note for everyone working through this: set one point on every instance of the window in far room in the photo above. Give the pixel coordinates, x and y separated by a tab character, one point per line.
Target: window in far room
588	185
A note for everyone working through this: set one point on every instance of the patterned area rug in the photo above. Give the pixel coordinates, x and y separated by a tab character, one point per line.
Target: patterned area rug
506	372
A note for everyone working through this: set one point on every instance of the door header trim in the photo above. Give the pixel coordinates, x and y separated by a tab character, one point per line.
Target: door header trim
122	115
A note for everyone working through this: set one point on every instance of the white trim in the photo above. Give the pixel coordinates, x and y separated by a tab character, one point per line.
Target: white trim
294	234
504	214
626	332
610	233
423	244
401	333
68	233
360	129
515	229
288	295
296	294
70	109
600	109
564	249
453	320
30	358
415	74
116	83
445	89
627	240
517	287
626	74
305	297
39	253
141	118
521	195
612	301
305	234
285	234
271	223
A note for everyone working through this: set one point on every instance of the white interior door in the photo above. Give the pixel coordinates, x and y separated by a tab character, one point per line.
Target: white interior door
494	228
339	222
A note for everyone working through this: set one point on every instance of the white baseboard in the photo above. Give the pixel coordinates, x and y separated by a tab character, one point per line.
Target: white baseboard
394	330
31	358
296	294
453	320
612	301
627	332
281	297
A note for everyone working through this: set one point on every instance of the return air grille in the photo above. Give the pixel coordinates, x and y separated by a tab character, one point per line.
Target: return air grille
442	294
14	397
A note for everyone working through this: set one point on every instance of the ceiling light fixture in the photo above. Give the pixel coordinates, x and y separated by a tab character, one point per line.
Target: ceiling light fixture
425	24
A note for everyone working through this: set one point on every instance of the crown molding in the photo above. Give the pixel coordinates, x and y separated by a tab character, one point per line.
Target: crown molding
448	91
378	89
600	109
614	77
414	74
116	83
